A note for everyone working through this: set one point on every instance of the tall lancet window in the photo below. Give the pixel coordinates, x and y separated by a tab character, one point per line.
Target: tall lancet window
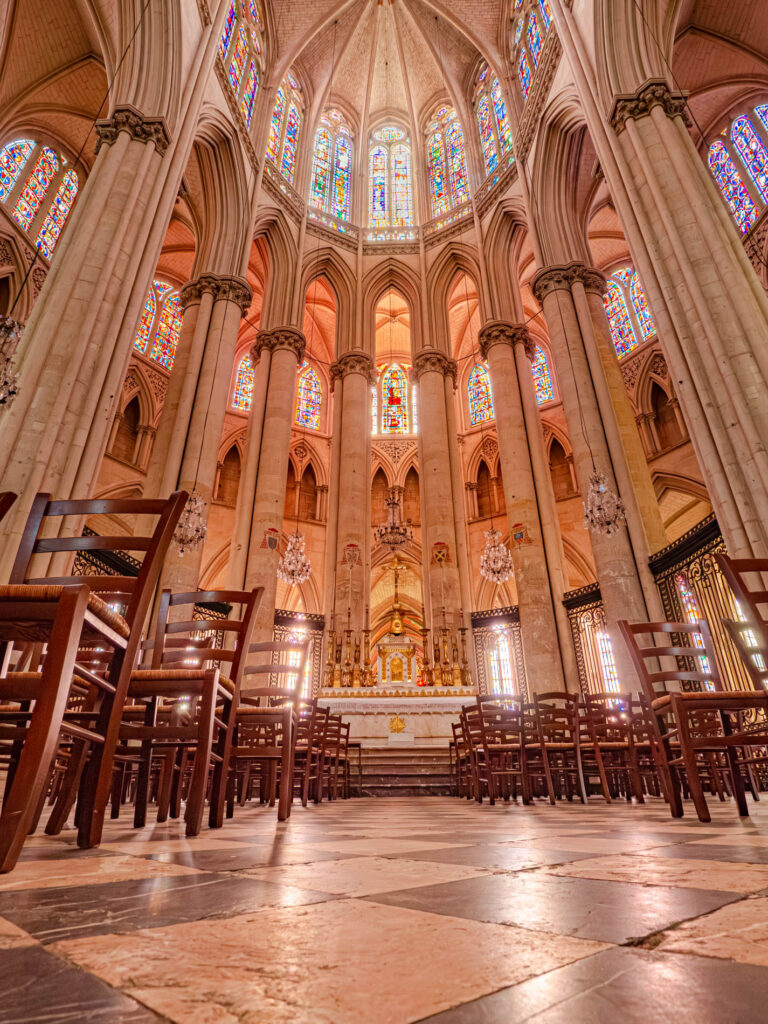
542	377
531	24
39	190
157	335
479	395
309	397
446	162
627	309
492	120
242	392
738	160
241	48
390	182
285	126
331	186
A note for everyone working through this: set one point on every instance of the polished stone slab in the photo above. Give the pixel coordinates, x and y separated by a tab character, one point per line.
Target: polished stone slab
649	869
74	870
737	932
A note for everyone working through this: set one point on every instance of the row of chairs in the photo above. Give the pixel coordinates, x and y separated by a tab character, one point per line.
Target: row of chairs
682	735
91	708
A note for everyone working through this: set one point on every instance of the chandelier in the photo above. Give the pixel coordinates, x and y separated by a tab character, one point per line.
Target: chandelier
604	511
191	528
496	561
294	567
394	533
10	334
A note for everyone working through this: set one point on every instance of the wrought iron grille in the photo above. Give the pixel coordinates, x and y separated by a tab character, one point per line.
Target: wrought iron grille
487	629
594	657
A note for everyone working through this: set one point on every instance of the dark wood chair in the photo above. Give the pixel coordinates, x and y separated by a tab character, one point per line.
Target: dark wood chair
608	721
7	499
497	724
683	720
557	720
94	725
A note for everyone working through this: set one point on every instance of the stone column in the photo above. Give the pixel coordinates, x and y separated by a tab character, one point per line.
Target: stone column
286	346
537	558
353	376
619	565
192	437
441	578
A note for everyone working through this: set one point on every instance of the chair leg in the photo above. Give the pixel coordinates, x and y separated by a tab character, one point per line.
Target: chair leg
223	751
201	764
737	779
286	768
691	769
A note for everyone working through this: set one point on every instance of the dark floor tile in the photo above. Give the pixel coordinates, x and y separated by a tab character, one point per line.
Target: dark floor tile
628	986
497	857
36	986
591	909
50	915
733	853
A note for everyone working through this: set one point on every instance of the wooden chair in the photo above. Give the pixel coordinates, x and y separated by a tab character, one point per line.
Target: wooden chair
265	730
500	748
188	667
557	720
33	704
608	721
683	720
7	499
95	728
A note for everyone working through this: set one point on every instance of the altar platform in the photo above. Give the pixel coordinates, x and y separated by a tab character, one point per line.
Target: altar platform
381	715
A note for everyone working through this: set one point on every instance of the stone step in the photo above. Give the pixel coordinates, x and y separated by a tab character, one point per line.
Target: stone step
406	771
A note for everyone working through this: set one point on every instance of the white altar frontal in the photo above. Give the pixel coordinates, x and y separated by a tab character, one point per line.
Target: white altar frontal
399	719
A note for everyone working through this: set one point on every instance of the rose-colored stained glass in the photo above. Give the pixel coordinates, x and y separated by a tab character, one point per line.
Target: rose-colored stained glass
394	392
168	331
35	189
479	395
542	378
57	215
226	35
290	144
12	160
249	94
640	305
622	331
731	185
309	396
276	125
242	393
752	152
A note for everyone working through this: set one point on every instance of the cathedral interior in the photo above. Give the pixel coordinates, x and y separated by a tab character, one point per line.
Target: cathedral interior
434	335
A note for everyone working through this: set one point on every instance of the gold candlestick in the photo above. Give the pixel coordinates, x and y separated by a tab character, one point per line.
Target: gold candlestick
367	673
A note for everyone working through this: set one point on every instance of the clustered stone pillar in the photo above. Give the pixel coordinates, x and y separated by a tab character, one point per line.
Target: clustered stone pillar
188	440
353	375
547	647
439	542
286	346
618	565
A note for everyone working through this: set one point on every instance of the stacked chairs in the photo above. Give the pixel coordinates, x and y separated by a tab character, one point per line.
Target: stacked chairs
557	719
495	730
609	744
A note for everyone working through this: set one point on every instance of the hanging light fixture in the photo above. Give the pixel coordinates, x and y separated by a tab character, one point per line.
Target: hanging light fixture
294	567
604	511
191	528
394	532
496	560
10	335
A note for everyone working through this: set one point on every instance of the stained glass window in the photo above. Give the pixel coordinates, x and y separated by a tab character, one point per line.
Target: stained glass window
492	120
502	674
438	186
692	615
379	161
168	331
391	194
321	167
640	304
446	162
480	397
500	110
292	127
374	411
237	64
622	331
518	30
394	390
732	186
524	73
146	320
35	188
546	13
534	38
752	152
242	394
308	398
57	215
341	191
12	159
226	35
607	661
249	94
402	198
542	378
276	125
487	140
457	162
762	113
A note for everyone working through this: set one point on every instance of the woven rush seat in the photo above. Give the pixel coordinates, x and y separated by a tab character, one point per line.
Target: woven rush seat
716	696
143	681
550	746
50	592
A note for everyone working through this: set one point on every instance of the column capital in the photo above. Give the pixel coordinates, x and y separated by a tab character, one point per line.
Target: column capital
280	337
430	360
501	332
230	289
142	129
653	93
353	362
592	279
556	278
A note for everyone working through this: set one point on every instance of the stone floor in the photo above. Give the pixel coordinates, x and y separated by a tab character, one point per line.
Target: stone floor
396	910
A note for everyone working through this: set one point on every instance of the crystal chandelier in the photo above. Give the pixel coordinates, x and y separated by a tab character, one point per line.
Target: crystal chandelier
294	567
10	334
394	533
604	511
191	528
496	562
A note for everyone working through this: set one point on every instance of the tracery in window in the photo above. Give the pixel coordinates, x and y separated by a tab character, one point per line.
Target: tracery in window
390	183
394	401
731	185
480	396
42	201
534	38
309	394
241	48
492	120
446	162
626	306
36	186
640	305
13	157
242	393
157	335
285	126
531	25
542	377
752	152
331	185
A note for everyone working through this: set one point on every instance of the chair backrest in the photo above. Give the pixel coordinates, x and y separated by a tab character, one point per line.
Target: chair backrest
609	716
700	651
182	640
135	592
557	716
753	653
748	579
274	671
7	499
501	724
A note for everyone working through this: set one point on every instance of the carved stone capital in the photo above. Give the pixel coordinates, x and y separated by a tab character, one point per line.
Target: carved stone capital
654	93
593	280
193	291
501	332
552	279
429	360
142	129
235	289
354	362
280	337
